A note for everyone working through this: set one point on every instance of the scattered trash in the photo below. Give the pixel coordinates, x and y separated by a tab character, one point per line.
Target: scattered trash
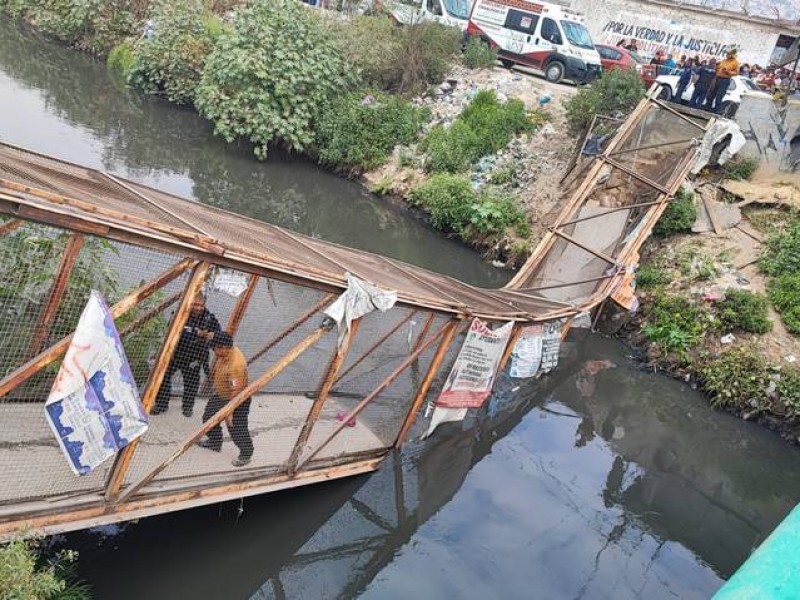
548	130
545	99
713	296
367	100
727	339
341	416
790	358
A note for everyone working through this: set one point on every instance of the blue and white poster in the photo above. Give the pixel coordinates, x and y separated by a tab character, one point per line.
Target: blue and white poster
94	406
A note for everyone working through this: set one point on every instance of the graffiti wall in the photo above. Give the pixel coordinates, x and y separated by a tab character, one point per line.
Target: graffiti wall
677	31
772	130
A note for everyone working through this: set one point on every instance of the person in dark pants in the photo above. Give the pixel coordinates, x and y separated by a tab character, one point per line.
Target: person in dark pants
228	380
705	75
687	71
725	70
191	355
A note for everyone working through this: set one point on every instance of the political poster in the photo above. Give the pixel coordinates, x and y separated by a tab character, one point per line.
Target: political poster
94	407
473	374
527	354
551	344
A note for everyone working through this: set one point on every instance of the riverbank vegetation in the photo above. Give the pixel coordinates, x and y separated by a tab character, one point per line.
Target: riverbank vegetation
26	573
734	337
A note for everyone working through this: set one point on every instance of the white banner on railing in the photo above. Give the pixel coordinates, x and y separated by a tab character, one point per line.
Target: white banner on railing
94	407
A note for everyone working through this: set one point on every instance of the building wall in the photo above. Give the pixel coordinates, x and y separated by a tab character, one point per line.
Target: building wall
678	30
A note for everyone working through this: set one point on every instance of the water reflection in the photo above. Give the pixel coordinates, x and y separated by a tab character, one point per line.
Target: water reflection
66	104
635	491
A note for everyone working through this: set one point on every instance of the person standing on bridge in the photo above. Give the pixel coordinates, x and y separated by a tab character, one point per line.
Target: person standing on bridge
228	379
191	355
725	70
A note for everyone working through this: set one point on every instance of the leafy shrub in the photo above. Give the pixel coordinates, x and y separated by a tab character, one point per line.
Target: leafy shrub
113	21
782	253
740	168
271	75
450	150
121	58
67	20
355	134
399	59
674	323
680	215
789	390
504	175
172	61
484	127
737	377
615	94
649	277
24	577
454	206
784	293
478	54
745	310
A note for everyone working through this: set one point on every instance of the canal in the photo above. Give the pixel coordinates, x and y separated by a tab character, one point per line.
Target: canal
598	481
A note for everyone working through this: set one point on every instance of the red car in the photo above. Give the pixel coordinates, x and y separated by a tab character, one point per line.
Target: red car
614	57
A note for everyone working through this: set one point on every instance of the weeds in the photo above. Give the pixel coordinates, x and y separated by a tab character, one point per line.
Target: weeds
784	293
615	94
674	324
478	54
738	378
650	277
679	217
744	310
740	168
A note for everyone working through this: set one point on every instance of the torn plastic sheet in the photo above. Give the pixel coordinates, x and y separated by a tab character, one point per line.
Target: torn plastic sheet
359	299
718	132
232	283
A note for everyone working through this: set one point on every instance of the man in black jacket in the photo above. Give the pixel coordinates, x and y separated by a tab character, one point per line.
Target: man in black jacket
191	355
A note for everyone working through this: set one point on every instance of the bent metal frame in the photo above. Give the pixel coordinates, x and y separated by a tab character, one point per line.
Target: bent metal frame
308	397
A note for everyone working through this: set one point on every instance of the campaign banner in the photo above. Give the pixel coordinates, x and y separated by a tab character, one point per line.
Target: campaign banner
94	407
473	374
551	344
527	354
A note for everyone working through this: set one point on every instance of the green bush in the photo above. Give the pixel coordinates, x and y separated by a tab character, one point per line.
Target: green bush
673	323
782	253
784	293
172	61
358	132
454	206
789	390
506	175
484	127
25	576
113	22
478	54
271	75
121	58
67	20
399	59
650	277
615	94
679	217
738	377
740	168
745	310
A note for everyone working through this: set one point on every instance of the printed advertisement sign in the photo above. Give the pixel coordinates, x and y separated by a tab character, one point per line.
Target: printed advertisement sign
527	354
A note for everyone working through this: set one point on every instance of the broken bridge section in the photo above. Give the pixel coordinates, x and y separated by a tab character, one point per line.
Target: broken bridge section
319	407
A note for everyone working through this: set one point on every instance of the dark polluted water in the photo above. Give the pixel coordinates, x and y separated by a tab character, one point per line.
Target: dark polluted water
598	481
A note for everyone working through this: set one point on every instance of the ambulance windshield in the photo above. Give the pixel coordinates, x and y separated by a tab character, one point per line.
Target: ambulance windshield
457	8
577	34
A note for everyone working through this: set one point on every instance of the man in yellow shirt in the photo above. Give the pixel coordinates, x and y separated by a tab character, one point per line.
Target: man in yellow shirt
725	70
228	379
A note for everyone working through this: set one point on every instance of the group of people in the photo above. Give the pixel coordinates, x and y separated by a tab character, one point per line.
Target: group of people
200	336
711	80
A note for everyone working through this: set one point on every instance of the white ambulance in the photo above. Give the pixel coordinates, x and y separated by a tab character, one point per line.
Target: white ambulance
546	37
447	12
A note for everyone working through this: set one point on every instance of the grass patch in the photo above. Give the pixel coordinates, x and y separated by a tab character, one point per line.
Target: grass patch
674	323
679	217
650	277
484	127
736	378
121	58
478	54
744	310
784	293
455	206
740	168
781	260
504	175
